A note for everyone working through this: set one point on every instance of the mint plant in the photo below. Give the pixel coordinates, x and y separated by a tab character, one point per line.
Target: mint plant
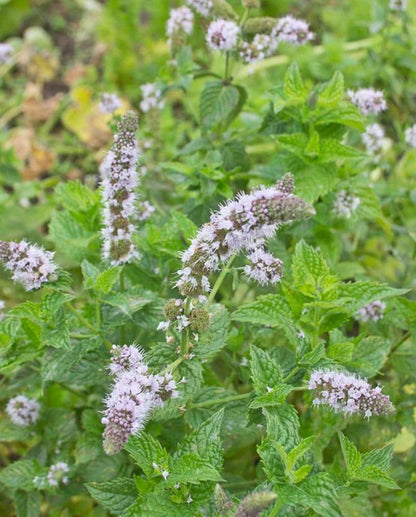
215	318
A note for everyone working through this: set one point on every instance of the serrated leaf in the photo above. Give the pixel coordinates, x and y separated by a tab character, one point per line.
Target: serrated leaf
283	425
294	87
344	113
218	102
352	457
28	504
369	355
313	147
215	337
205	441
373	474
115	495
379	458
316	492
301	449
333	93
190	468
363	293
341	352
265	372
19	475
276	396
105	280
145	451
270	310
308	268
332	150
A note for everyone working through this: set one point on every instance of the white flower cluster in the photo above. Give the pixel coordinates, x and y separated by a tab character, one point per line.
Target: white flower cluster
181	314
398	5
6	53
261	47
373	138
2	307
345	204
22	410
119	180
368	100
181	20
264	268
30	264
203	7
109	103
144	210
292	30
58	473
374	311
241	224
410	135
223	35
348	394
152	98
135	394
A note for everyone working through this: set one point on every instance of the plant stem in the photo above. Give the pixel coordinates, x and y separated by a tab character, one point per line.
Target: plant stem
185	331
224	400
227	64
219	281
276	509
87	324
292	373
172	366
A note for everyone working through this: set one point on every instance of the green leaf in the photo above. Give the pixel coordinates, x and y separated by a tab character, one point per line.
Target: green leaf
352	457
19	474
301	449
373	474
308	268
215	337
379	458
332	150
27	503
313	147
205	441
341	352
276	396
265	372
344	113
76	197
363	293
333	93
370	354
270	309
190	468
115	495
218	103
145	451
283	425
106	280
316	492
294	86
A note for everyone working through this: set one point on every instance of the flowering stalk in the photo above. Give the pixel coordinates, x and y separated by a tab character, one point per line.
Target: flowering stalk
242	224
119	179
348	394
30	264
135	394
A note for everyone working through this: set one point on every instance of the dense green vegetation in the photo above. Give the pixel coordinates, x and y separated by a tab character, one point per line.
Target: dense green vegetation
208	258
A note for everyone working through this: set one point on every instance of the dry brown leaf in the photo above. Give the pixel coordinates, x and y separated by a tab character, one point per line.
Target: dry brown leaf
35	109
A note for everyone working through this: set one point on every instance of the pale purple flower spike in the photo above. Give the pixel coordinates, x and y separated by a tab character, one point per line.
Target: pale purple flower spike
348	394
22	410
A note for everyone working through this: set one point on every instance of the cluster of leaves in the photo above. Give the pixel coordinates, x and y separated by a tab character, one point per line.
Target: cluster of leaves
243	438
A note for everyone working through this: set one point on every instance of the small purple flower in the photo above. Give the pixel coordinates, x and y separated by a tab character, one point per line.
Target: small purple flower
410	135
264	268
22	410
373	138
203	7
223	35
348	394
6	53
368	100
373	311
292	30
30	264
57	473
109	102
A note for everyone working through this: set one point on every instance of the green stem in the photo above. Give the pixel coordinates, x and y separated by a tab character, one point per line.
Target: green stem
219	281
87	324
399	342
172	366
80	336
185	331
213	402
276	509
291	374
227	65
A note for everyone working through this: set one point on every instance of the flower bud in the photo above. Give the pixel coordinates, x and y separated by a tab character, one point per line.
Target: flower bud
199	319
221	500
253	504
251	4
263	25
173	308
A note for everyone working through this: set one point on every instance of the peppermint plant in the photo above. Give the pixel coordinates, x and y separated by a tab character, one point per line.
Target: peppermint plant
218	319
